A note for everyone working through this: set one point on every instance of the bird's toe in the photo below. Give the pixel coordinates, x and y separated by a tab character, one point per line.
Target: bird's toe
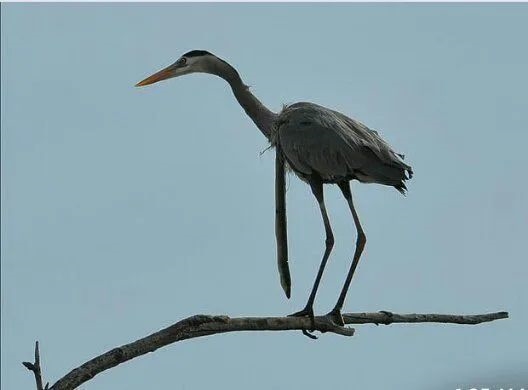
336	317
306	312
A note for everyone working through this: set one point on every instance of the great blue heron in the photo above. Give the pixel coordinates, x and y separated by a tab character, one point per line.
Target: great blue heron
320	145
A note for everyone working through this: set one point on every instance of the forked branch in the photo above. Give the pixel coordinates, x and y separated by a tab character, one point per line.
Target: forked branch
205	325
35	368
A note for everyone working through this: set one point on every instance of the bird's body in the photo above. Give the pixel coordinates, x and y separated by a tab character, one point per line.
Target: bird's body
321	146
322	142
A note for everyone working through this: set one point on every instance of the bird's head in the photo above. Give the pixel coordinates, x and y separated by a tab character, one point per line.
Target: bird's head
195	61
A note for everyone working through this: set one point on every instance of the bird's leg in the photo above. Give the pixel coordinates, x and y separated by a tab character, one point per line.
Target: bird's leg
335	314
317	189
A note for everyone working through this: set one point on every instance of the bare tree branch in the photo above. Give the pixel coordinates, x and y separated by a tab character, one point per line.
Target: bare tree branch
205	325
35	367
387	318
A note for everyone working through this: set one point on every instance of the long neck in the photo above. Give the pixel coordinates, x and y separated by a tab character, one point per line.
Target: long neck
258	112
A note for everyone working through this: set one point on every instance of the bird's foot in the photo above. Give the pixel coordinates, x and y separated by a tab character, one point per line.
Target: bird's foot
307	312
336	317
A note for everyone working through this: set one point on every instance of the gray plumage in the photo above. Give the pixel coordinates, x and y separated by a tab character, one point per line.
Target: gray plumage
321	146
318	141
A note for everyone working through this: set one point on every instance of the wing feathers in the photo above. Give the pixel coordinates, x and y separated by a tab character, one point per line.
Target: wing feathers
317	139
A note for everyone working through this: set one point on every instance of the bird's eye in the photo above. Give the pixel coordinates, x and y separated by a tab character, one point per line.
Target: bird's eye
182	61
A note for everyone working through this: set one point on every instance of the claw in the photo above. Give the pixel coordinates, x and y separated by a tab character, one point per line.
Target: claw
309	335
306	312
336	317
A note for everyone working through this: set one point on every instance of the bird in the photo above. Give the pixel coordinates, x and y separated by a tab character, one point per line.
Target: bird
321	146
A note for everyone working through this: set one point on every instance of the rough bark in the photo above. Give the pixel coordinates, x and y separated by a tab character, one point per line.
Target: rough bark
205	325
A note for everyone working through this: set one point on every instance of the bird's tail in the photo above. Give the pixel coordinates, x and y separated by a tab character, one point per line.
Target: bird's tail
407	175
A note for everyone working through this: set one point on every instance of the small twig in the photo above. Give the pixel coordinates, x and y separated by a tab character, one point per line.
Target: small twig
35	367
205	325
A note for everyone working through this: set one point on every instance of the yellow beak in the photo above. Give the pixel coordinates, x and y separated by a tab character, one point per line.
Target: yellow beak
163	74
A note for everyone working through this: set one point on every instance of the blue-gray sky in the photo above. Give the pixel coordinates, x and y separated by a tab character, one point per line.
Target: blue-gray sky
125	209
